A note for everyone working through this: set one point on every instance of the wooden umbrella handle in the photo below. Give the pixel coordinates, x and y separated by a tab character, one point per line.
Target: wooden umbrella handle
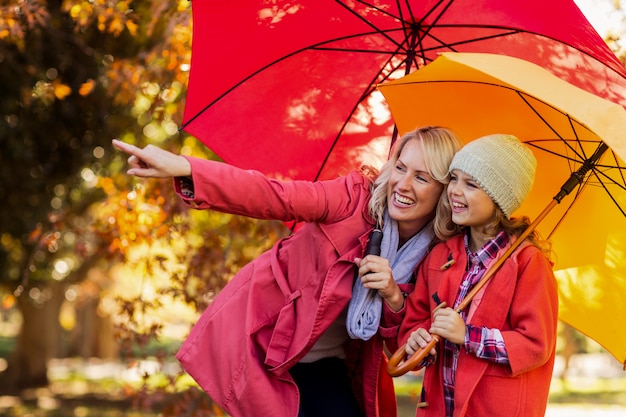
397	366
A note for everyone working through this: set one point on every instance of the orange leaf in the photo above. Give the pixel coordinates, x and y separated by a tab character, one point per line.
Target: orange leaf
87	87
132	27
61	91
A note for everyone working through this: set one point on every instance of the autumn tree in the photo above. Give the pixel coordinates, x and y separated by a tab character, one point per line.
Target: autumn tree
74	75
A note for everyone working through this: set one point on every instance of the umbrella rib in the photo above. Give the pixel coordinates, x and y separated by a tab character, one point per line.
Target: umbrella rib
432	9
545	122
597	173
523	97
620	170
374	80
402	18
407	3
569	207
418	40
424	51
364	51
368	23
429	28
551	152
452	45
603	185
366	93
263	68
582	150
607	178
426	29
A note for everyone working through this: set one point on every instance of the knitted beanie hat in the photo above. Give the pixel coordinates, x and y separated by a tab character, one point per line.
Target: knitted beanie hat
502	165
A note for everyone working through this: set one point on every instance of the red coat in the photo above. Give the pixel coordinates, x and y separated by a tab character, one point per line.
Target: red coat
522	301
275	308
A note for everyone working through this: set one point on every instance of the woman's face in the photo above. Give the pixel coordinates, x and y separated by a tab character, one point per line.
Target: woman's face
412	194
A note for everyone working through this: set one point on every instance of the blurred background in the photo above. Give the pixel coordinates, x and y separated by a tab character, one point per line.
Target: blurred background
102	275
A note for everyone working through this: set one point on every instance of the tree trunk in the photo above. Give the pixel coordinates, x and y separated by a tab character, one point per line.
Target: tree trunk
93	334
38	340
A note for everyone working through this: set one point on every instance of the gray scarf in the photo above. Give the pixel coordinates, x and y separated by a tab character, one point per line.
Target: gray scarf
365	307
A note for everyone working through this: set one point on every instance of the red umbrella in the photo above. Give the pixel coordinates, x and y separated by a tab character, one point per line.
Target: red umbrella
286	86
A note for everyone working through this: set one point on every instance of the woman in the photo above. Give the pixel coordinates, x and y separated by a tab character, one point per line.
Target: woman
495	357
281	338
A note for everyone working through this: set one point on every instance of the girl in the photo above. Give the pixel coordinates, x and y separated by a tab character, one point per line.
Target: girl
495	358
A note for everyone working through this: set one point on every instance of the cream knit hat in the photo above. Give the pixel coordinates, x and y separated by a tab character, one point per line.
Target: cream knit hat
502	165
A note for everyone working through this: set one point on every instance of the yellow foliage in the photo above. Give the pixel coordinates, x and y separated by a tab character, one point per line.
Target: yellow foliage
183	5
8	301
107	185
67	317
130	218
132	27
87	87
116	27
75	11
61	90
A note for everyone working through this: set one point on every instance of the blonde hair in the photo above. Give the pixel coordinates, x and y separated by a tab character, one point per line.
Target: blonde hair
438	145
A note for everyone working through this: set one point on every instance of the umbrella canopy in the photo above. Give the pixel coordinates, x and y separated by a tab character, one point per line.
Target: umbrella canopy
286	87
566	127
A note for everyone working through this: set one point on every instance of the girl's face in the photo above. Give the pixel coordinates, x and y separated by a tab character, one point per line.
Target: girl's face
412	194
471	205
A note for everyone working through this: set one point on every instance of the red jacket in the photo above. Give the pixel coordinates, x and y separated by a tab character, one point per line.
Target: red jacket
522	301
275	308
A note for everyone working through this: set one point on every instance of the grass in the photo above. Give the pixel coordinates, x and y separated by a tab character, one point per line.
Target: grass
95	388
79	396
589	390
570	391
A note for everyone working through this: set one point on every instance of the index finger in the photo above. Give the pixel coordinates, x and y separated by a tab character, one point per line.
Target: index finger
126	147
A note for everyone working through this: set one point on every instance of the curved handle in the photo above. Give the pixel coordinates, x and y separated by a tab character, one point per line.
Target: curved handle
396	366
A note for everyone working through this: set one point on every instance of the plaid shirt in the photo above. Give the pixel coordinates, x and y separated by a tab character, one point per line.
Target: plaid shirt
484	343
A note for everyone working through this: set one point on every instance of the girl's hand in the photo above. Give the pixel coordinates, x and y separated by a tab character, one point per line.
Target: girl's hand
448	324
153	162
375	273
419	339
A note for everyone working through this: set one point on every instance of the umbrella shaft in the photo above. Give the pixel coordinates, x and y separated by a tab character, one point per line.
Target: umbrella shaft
578	176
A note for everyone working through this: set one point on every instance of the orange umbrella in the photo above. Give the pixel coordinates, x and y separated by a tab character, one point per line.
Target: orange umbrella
570	131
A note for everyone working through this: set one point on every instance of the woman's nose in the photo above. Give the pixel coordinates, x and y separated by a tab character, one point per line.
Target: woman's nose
405	182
